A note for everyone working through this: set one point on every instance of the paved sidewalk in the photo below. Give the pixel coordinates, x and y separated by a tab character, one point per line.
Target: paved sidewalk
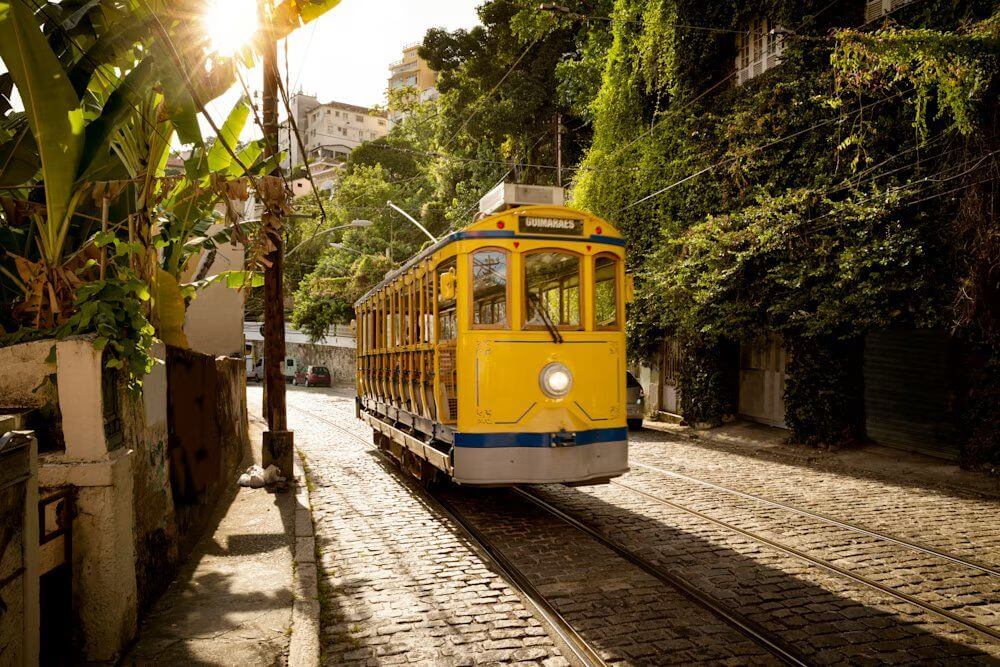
231	604
769	443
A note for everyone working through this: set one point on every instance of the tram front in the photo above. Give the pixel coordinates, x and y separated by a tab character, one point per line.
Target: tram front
540	348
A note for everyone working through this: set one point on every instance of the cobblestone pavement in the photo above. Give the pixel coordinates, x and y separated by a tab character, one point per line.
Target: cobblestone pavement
399	578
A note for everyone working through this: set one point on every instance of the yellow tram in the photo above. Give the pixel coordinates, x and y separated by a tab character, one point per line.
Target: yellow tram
497	355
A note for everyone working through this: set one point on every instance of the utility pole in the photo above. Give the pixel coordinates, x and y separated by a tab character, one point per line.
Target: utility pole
559	133
278	440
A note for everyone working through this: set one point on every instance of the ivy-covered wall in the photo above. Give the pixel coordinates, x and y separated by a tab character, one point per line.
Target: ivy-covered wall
846	190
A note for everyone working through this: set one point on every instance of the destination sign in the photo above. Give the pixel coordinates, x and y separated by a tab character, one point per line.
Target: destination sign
561	226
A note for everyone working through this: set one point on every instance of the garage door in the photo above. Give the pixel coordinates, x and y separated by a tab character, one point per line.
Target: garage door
908	381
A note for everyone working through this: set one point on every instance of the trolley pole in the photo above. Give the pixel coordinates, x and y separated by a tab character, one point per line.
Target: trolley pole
278	440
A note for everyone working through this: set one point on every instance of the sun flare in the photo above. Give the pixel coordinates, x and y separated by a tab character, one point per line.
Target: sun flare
230	24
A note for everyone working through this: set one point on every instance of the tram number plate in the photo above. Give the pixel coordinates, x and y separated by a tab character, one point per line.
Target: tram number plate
561	226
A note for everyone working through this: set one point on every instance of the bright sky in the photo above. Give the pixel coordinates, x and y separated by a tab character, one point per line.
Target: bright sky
344	55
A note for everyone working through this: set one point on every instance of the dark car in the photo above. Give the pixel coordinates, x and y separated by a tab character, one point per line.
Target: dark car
636	397
312	376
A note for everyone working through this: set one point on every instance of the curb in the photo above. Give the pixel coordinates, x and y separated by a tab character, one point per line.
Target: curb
303	650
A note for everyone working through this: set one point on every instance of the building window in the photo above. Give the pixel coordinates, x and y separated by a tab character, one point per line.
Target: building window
877	8
759	46
552	289
359	118
489	289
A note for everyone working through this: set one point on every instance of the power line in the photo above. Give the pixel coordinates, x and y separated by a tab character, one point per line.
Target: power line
672	112
489	94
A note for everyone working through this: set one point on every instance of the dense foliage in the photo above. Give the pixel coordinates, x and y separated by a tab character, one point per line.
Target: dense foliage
848	189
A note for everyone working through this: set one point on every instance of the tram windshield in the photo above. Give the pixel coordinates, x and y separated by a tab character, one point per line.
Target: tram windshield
552	289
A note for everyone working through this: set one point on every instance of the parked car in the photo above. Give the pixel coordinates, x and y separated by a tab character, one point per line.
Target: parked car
313	376
635	402
255	372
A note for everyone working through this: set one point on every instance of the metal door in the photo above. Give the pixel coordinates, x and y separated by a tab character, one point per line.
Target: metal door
762	382
908	391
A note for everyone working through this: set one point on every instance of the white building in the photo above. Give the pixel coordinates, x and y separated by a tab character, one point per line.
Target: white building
329	131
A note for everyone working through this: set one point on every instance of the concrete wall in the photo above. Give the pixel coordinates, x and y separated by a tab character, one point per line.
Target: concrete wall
127	540
208	441
214	320
144	428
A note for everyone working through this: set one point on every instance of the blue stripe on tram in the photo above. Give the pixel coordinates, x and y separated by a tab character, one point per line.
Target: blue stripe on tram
538	439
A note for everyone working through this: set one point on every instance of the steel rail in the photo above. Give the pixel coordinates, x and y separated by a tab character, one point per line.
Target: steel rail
901	541
825	564
581	649
744	626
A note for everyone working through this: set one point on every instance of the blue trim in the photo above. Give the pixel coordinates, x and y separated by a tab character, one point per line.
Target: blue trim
588	437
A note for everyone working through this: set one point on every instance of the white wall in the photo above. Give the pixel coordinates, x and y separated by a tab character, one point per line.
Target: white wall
214	320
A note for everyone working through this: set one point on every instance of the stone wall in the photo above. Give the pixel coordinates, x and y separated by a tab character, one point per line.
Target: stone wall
340	360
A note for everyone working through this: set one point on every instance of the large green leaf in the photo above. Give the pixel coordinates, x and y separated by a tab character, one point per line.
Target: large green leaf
293	14
123	102
53	110
177	98
109	48
219	158
18	155
168	310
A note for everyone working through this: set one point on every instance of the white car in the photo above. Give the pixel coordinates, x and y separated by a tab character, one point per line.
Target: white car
255	372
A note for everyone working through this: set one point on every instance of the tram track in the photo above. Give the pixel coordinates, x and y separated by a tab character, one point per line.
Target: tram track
829	520
930	607
581	649
584	652
768	640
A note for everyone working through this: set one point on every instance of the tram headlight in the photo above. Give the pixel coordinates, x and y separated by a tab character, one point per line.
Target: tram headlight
555	380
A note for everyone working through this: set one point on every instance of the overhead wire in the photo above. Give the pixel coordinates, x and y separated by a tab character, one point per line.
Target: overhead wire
670	113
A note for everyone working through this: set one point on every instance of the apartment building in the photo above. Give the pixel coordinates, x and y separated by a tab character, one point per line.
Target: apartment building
329	130
412	72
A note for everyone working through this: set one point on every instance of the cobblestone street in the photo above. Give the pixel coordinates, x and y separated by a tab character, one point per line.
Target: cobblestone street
702	553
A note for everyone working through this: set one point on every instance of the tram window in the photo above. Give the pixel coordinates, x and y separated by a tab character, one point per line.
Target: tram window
489	289
447	322
605	292
552	288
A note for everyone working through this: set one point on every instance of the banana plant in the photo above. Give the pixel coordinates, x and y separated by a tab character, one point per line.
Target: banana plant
79	112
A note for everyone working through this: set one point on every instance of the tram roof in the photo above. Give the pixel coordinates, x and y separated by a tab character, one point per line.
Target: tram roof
487	228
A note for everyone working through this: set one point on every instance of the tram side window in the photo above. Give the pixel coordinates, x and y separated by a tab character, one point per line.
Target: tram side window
489	289
552	289
447	321
606	292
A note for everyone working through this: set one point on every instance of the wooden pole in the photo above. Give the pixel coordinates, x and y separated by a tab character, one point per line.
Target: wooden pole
559	134
278	440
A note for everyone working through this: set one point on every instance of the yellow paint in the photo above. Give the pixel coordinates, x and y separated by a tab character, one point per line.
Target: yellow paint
498	370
